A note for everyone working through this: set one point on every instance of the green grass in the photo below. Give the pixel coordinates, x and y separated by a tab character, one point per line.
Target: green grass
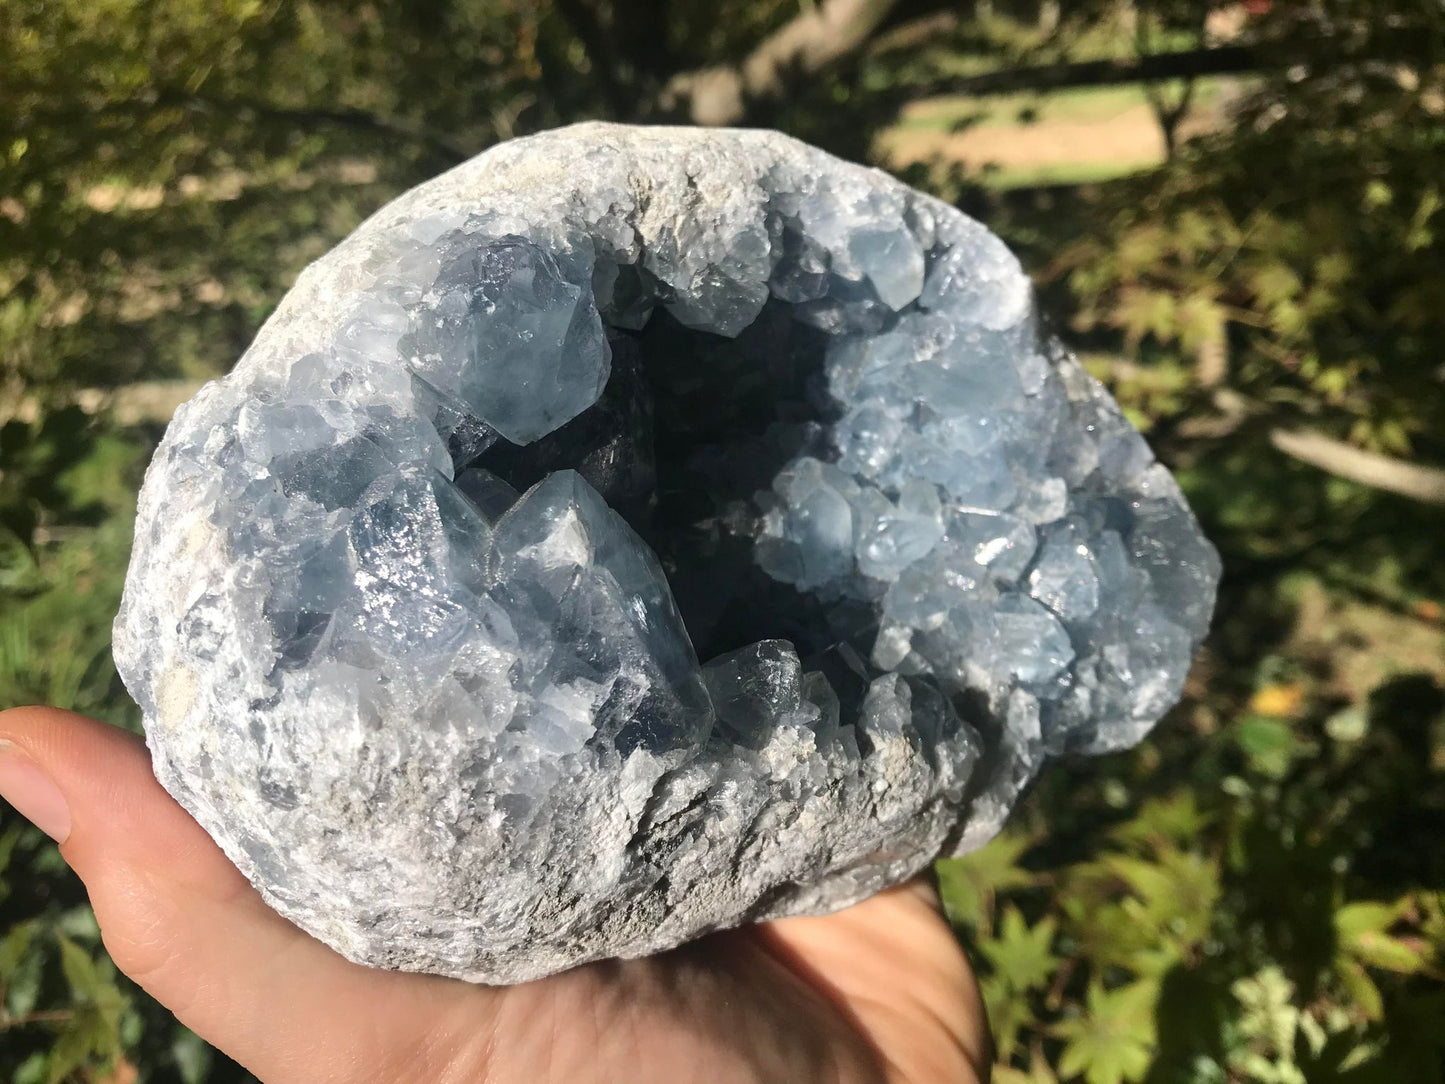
1082	106
1060	173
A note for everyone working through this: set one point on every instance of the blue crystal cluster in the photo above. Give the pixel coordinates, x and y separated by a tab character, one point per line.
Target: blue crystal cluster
633	533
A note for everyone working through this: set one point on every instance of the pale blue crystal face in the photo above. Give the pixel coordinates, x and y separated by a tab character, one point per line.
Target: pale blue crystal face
612	659
763	686
505	330
637	558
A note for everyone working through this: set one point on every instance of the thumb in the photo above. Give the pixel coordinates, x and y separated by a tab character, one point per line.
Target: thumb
181	921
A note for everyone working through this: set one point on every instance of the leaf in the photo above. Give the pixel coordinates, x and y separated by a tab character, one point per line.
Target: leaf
22	990
1149	881
1200	321
80	970
32	1069
1174	895
1275	283
1142	247
1270	1014
1387	953
1009	1012
1195	887
1356	919
1113	1041
1103	932
192	1056
91	986
1362	929
1177	819
1361	988
1021	956
14	948
1195	231
18	571
968	885
71	1051
1141	312
1270	744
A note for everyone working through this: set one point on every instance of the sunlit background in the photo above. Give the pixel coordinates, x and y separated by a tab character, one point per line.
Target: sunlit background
1233	213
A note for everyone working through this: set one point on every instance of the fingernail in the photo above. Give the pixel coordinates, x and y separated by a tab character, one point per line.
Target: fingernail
31	792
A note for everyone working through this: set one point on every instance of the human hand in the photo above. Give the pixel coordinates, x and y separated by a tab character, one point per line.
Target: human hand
879	992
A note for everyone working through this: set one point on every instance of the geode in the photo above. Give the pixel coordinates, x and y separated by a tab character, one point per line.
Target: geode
420	589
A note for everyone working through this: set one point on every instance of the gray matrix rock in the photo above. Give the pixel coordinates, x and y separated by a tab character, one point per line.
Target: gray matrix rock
636	532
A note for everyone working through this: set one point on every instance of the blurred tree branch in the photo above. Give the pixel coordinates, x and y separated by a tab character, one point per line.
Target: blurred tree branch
1168	113
915	33
1367	468
1184	64
826	32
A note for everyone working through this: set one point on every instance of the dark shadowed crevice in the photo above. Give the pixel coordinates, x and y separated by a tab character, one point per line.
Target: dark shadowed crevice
691	427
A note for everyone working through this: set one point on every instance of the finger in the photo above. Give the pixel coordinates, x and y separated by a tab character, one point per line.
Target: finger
181	921
893	965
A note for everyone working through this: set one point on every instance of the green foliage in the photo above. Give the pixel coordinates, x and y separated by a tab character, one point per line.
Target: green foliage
1109	1042
1256	894
1297	255
1217	913
62	1007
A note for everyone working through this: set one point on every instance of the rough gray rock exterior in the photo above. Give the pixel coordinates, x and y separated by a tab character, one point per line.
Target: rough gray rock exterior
416	590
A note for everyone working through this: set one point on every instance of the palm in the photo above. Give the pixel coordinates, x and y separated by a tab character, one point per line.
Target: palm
878	992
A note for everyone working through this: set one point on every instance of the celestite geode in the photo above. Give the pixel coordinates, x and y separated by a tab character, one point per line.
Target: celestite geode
420	589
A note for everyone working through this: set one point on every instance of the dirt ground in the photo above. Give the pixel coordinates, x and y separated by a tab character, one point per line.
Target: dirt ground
1129	138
